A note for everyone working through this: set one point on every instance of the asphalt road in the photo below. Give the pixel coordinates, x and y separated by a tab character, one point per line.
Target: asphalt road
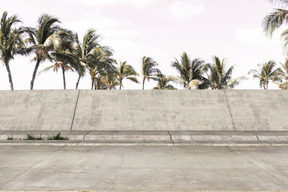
141	168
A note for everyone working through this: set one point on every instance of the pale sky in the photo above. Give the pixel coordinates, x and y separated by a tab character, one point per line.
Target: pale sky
161	29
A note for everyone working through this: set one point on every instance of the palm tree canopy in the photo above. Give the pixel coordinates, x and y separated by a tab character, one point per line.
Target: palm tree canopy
218	77
149	68
11	42
126	71
46	27
188	69
274	20
110	82
164	82
93	57
267	72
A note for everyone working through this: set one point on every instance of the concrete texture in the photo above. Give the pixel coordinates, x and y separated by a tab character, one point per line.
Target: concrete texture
259	110
143	168
152	110
37	110
151	138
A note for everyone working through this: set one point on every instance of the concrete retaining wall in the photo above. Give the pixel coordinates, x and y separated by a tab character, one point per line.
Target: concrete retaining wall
230	110
259	110
152	110
37	110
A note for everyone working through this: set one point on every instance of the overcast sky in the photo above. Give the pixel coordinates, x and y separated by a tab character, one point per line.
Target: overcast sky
161	29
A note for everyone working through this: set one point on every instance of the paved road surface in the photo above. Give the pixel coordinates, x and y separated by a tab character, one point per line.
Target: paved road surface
143	168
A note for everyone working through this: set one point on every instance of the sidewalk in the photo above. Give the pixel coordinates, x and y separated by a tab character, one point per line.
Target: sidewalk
149	138
142	168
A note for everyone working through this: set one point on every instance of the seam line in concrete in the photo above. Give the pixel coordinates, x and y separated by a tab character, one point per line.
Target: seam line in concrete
258	166
229	110
257	138
75	110
171	138
86	134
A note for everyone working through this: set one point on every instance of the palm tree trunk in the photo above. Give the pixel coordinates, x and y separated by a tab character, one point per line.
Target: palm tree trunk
143	83
63	74
266	85
92	83
120	85
34	74
9	76
77	83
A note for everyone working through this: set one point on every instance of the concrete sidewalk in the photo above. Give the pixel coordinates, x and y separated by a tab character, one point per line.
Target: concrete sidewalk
139	168
170	138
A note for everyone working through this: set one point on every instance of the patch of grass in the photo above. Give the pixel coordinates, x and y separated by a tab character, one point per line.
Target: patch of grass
58	137
31	137
10	137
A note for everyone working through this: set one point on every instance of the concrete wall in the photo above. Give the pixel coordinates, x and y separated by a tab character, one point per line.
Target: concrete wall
259	110
228	110
152	110
37	110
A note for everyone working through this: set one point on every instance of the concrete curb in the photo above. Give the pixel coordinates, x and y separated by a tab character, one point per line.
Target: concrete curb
148	138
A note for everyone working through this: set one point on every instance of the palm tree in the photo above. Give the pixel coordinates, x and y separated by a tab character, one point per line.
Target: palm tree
110	81
43	40
11	42
274	20
149	69
266	73
63	54
164	82
218	77
100	84
94	58
189	70
125	71
284	85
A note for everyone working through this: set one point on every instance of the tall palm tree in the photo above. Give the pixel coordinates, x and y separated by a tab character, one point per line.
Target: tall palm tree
267	72
149	69
63	54
218	77
164	82
189	70
42	40
125	71
11	42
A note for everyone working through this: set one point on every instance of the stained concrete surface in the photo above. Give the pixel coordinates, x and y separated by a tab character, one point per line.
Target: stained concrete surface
144	168
152	110
37	110
253	110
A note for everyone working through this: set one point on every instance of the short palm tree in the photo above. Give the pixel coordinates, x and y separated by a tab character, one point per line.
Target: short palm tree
42	41
267	72
189	70
11	42
218	77
149	70
110	81
164	82
126	71
284	85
